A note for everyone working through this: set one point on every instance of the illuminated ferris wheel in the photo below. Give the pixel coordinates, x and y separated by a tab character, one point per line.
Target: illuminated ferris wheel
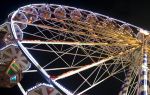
74	50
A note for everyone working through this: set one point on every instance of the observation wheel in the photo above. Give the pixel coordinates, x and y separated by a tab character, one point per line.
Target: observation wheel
76	50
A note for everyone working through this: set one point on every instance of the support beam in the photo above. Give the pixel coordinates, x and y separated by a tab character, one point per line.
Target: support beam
143	75
21	89
143	85
125	86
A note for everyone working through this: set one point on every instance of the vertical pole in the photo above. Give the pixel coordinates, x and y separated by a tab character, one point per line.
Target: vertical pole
143	83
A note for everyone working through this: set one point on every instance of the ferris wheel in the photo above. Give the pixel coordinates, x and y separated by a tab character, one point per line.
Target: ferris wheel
74	50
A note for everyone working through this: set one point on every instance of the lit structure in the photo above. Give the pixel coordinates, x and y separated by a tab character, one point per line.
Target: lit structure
80	44
12	61
10	74
43	89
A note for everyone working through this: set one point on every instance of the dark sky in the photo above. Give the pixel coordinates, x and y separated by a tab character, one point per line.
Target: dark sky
136	12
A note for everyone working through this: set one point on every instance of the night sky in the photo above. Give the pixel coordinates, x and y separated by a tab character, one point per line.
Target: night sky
131	11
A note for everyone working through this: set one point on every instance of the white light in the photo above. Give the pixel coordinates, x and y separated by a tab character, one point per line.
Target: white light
145	32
